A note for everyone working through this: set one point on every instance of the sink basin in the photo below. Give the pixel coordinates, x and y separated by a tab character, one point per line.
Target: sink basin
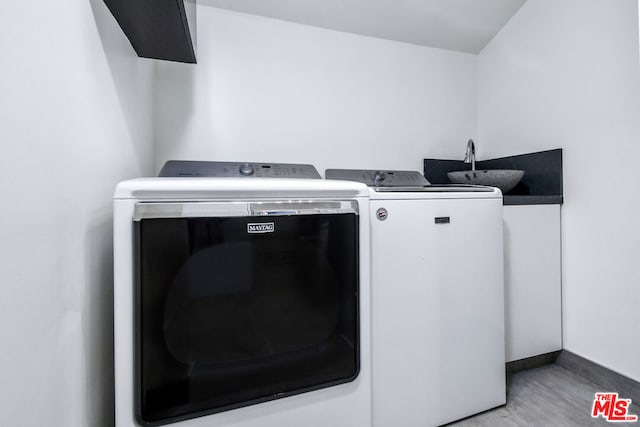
504	179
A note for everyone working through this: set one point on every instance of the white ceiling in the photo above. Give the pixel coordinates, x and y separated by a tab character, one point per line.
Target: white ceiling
462	25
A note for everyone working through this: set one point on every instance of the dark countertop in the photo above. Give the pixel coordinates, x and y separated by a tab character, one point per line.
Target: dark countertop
541	184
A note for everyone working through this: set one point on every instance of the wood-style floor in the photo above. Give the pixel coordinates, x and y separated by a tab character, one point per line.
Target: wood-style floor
546	396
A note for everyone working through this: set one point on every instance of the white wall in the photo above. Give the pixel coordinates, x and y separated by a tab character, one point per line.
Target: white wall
565	74
75	118
273	91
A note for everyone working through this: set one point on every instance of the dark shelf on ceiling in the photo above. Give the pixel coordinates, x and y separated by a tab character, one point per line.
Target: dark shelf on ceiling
158	29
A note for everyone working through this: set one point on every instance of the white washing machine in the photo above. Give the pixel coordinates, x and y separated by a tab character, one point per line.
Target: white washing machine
241	298
438	346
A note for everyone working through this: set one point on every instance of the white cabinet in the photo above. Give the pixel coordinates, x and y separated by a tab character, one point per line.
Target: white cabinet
532	280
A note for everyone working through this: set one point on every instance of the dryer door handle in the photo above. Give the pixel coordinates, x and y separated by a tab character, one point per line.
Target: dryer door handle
304	208
153	210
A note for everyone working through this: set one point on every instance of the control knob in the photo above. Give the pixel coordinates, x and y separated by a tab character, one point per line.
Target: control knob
379	176
246	169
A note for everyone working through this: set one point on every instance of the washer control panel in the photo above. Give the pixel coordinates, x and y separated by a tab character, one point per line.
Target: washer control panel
185	168
379	178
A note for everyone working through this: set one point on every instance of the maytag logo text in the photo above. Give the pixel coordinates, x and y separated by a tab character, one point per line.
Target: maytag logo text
260	227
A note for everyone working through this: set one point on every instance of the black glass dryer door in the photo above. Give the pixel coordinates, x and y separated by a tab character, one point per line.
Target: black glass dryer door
250	304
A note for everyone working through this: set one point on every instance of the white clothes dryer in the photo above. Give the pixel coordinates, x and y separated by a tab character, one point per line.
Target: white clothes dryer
241	298
438	343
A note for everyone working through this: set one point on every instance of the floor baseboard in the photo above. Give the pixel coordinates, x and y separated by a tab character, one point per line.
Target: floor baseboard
531	362
609	380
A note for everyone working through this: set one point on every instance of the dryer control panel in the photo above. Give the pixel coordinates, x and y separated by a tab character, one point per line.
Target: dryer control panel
186	168
379	178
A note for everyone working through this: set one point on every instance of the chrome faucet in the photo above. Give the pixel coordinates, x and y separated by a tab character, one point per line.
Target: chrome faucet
470	156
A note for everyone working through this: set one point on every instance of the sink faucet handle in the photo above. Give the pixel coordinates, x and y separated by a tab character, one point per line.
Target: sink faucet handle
470	155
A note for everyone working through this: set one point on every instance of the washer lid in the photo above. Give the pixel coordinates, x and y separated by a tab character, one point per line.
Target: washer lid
237	188
443	188
380	178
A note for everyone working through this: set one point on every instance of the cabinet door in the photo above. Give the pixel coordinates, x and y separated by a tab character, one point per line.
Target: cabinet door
438	314
532	280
